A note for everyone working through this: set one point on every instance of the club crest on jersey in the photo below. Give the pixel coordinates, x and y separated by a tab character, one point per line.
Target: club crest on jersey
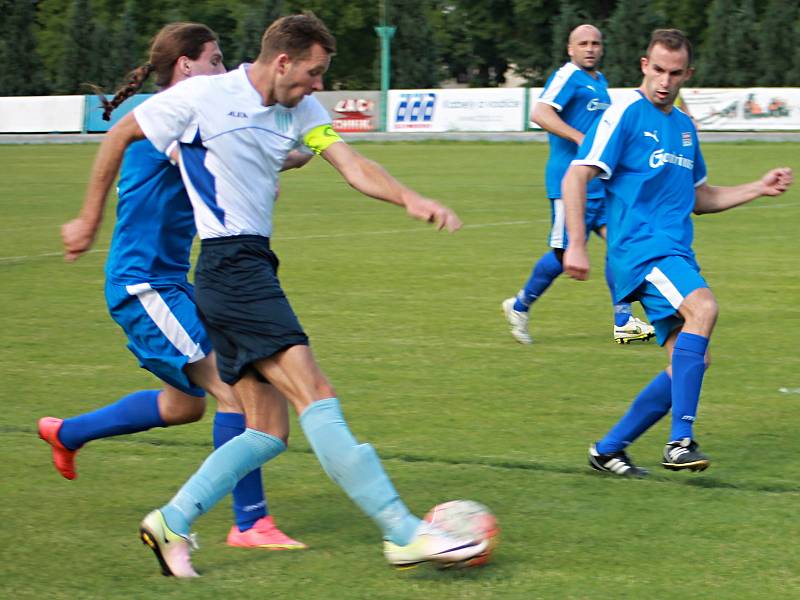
283	120
686	138
237	114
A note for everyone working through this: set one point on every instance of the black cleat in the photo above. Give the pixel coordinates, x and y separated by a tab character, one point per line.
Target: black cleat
616	463
684	454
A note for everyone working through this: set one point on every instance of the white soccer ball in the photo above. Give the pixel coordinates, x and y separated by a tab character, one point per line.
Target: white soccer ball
470	520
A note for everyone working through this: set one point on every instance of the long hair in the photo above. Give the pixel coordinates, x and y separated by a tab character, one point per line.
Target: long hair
168	45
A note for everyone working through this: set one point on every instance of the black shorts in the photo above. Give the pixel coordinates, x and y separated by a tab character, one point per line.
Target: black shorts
241	303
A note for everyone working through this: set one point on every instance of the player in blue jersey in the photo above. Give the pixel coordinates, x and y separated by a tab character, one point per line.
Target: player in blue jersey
573	98
230	134
149	296
649	155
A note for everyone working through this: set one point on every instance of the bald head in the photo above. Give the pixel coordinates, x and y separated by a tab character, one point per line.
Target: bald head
585	46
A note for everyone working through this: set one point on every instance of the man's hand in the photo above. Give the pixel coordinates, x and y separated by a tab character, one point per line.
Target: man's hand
77	236
432	212
777	181
576	262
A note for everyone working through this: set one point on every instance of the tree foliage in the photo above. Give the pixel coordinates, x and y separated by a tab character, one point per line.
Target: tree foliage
57	45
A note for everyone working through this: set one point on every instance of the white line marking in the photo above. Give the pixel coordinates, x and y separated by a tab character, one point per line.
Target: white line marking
305	237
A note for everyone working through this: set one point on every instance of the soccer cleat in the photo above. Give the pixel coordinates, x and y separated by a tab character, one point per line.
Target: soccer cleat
518	322
684	454
434	545
263	534
171	549
63	457
616	463
634	330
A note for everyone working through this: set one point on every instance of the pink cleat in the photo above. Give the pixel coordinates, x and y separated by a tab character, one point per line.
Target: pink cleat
63	458
263	534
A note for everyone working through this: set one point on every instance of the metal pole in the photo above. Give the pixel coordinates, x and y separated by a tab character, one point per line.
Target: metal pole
385	33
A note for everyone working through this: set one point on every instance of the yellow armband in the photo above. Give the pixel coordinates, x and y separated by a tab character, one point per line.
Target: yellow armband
320	138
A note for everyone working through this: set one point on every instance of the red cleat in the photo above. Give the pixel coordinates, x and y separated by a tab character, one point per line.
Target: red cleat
263	534
63	458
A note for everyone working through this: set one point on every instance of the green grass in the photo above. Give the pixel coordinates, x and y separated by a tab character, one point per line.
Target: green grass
407	324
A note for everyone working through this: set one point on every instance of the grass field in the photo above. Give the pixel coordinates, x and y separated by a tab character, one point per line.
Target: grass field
407	324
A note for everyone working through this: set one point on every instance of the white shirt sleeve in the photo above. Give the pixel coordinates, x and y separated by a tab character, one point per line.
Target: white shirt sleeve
311	114
169	115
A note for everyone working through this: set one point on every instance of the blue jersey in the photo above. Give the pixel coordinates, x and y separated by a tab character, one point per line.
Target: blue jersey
652	163
155	226
580	99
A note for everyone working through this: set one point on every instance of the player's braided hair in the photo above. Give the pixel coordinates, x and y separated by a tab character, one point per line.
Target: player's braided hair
168	45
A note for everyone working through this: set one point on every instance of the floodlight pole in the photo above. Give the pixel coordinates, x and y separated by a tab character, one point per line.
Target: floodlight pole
385	33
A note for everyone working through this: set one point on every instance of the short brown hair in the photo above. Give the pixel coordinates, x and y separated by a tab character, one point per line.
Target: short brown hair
672	39
295	35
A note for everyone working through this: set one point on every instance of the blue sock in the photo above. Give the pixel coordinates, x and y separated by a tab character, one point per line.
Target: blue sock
135	412
218	475
688	368
622	310
357	469
652	403
249	502
545	272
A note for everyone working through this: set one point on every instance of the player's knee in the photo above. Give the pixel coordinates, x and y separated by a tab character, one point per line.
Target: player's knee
182	410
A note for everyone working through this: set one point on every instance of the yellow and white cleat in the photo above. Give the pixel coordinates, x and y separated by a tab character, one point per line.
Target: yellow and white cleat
431	544
634	330
171	549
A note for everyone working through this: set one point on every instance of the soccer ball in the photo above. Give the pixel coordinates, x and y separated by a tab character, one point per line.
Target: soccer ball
470	520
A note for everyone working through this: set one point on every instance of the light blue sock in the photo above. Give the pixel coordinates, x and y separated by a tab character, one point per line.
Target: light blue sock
217	476
249	502
132	413
688	368
357	469
622	310
544	273
652	403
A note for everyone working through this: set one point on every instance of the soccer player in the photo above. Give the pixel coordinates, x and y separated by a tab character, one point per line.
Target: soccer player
149	296
230	135
649	155
573	98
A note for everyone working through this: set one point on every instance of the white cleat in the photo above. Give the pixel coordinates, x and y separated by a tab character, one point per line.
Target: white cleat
431	544
518	322
171	549
634	330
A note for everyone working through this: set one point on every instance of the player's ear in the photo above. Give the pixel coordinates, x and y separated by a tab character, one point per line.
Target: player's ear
643	63
689	73
282	63
184	66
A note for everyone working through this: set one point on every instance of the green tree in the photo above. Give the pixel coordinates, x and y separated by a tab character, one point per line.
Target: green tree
127	47
793	76
568	19
714	62
415	61
627	35
743	67
251	23
22	75
78	61
776	47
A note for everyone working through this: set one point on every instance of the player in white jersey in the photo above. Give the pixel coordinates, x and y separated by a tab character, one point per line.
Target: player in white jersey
649	154
149	296
230	135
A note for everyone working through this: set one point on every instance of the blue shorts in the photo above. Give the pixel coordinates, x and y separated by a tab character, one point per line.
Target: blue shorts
243	307
595	219
668	281
163	328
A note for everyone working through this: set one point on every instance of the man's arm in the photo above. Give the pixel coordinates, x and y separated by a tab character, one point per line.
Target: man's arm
573	194
712	198
371	179
296	159
78	234
546	117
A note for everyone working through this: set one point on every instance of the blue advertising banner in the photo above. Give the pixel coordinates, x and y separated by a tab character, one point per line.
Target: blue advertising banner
94	112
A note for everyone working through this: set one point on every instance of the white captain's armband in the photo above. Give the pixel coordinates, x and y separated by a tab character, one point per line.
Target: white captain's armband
320	138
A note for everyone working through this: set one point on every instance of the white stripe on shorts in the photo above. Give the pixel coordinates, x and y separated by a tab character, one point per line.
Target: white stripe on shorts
665	286
169	325
557	232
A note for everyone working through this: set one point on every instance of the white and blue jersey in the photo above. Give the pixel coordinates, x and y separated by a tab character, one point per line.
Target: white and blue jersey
232	147
580	99
147	289
652	163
